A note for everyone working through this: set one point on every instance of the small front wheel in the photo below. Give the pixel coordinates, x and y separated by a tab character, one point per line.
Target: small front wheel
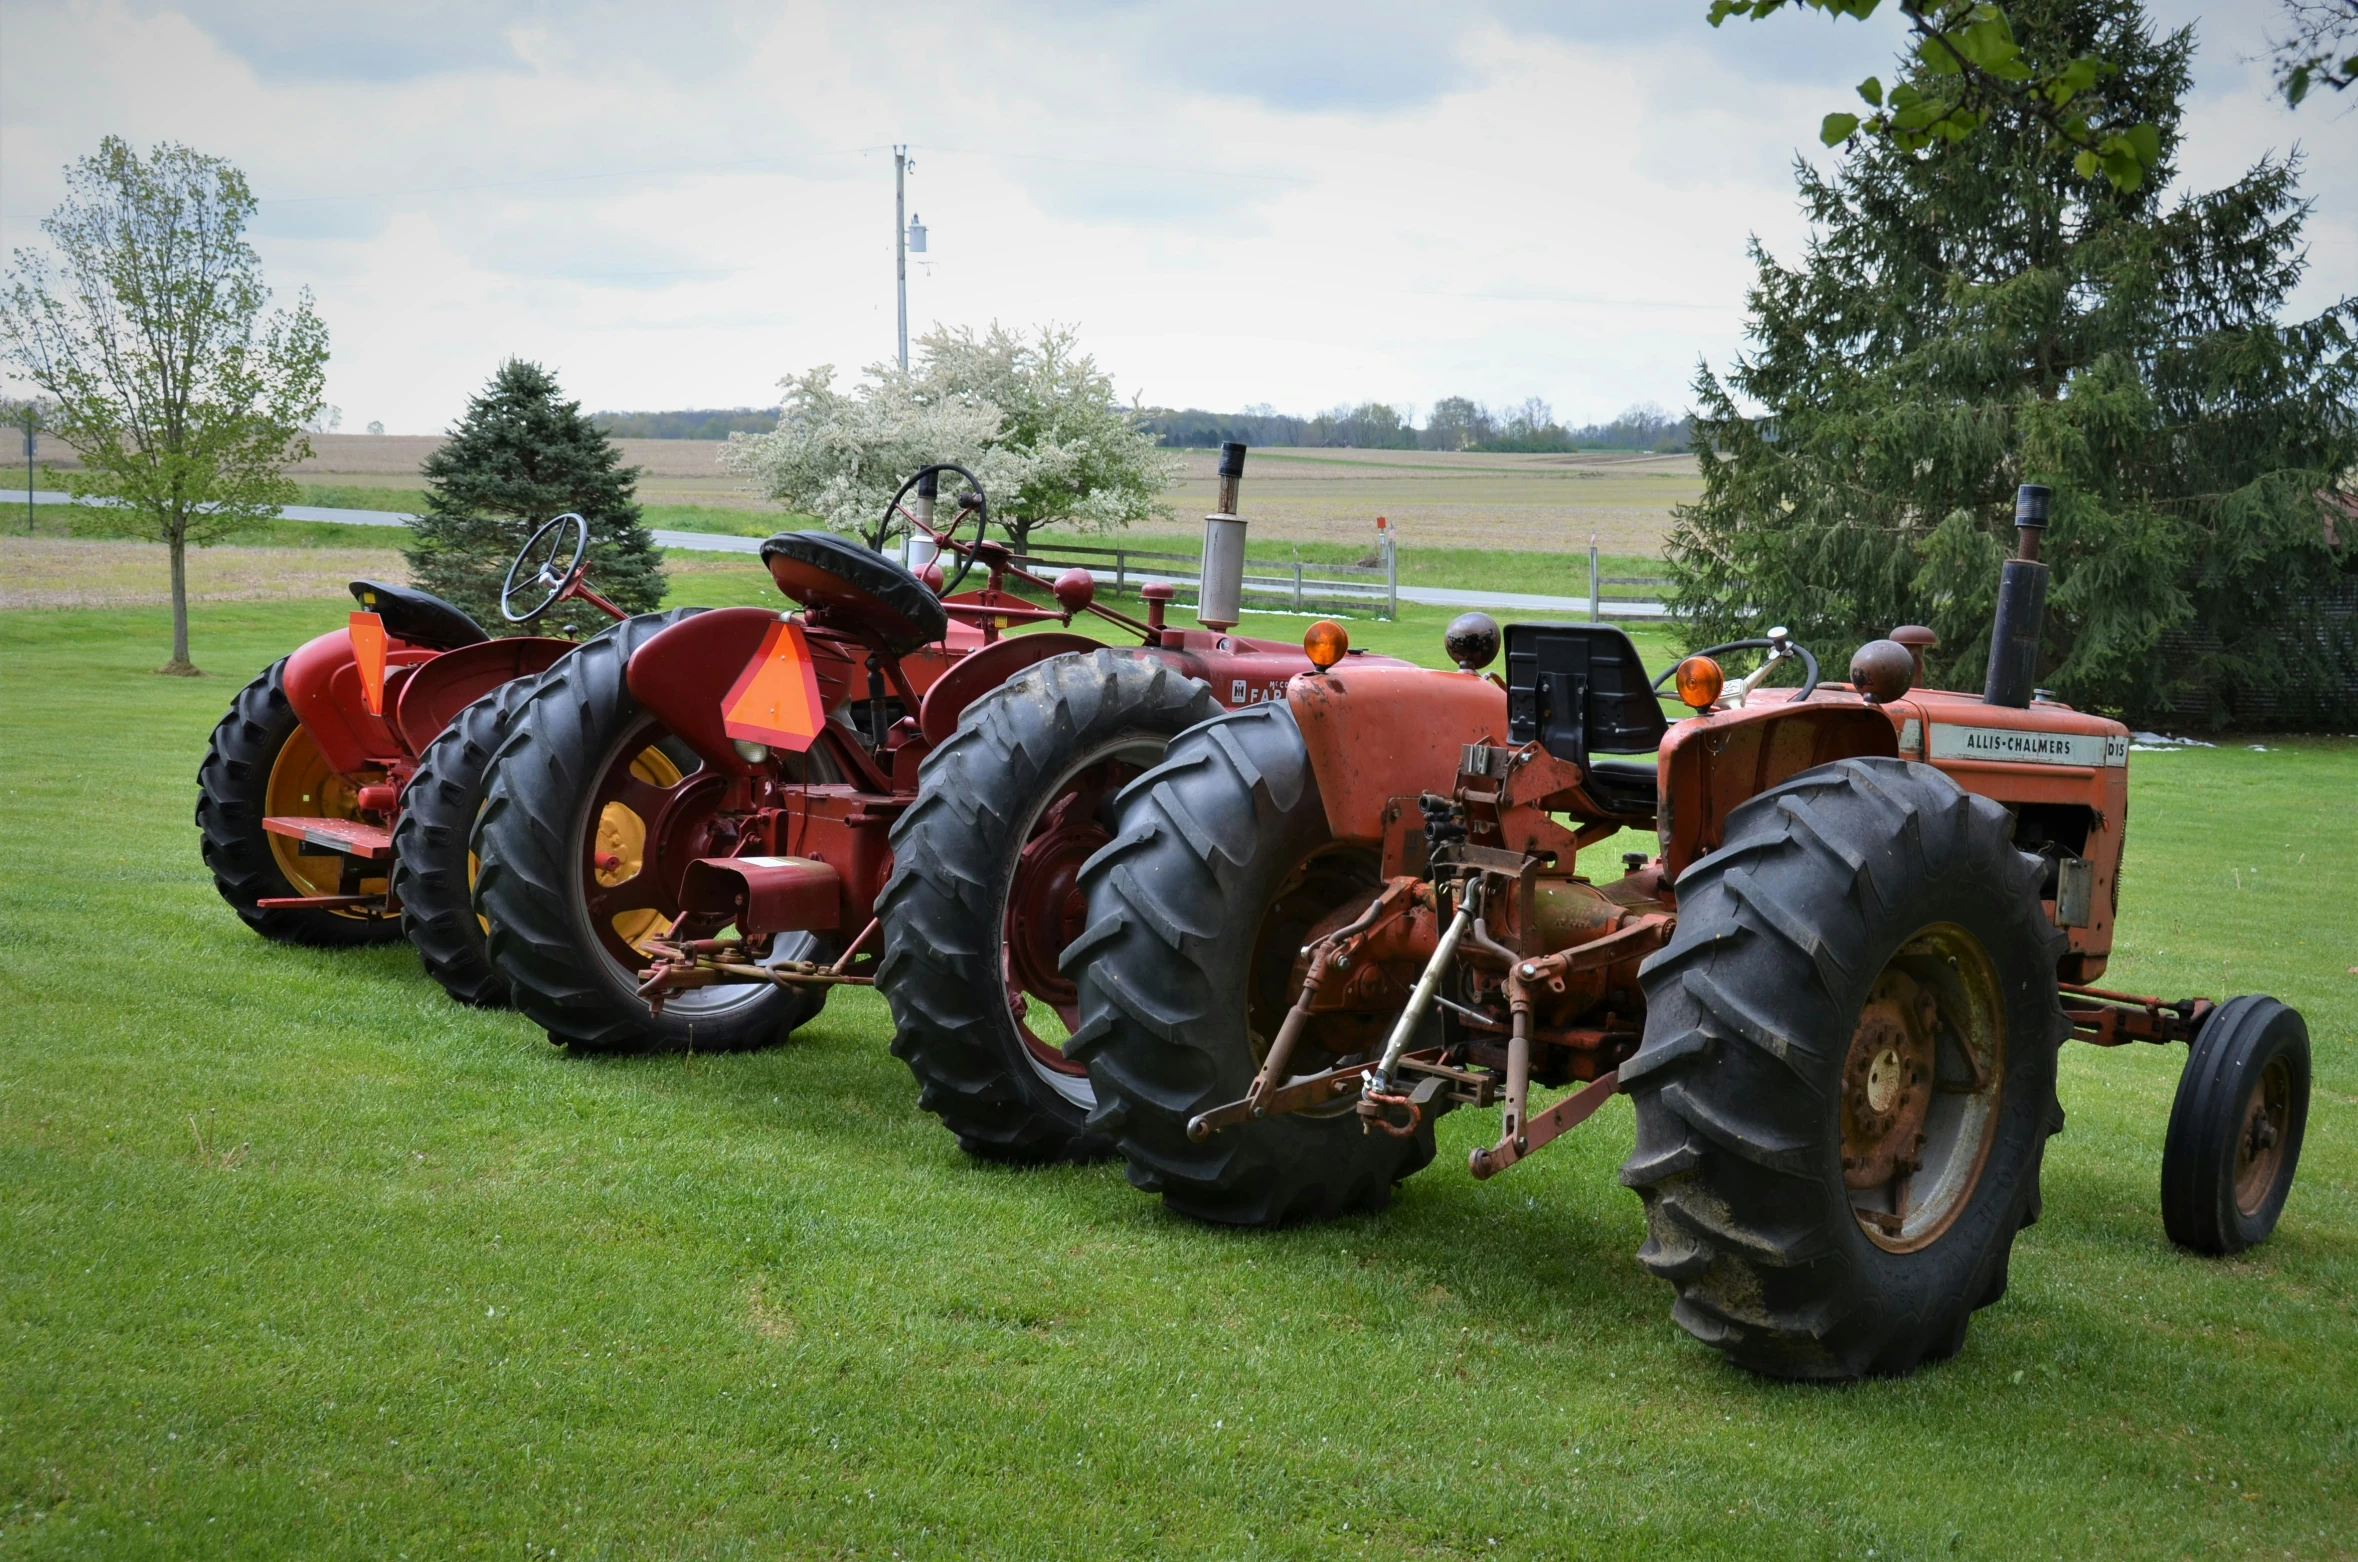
2235	1130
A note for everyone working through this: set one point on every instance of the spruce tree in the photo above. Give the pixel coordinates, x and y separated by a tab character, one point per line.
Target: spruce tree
521	455
1986	315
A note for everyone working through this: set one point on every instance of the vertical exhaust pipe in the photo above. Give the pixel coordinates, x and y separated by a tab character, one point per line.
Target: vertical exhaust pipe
918	550
1219	604
2022	606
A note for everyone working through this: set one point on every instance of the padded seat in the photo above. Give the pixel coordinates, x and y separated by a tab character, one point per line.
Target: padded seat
1626	786
419	617
845	584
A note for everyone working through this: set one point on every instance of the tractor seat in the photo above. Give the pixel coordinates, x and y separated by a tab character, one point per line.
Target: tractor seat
847	587
1625	786
419	617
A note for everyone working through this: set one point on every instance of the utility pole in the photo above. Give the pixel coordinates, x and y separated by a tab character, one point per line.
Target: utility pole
901	168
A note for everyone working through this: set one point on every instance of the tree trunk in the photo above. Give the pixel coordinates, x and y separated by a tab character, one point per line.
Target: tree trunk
176	540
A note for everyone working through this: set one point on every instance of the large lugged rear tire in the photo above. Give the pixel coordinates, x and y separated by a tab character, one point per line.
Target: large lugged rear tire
970	953
433	870
1848	1074
542	818
260	761
1220	864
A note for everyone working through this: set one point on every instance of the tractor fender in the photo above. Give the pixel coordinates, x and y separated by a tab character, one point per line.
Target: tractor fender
436	691
322	682
1712	764
683	675
1378	733
984	670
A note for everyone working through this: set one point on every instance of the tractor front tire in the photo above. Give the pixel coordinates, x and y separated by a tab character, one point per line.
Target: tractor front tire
234	795
982	892
1847	1079
2236	1127
433	870
533	842
1220	864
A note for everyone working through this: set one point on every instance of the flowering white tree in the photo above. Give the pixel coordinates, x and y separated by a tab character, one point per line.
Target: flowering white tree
1036	420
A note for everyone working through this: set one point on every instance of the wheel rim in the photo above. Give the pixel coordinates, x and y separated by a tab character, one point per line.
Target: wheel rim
1921	1083
303	785
1045	909
2259	1146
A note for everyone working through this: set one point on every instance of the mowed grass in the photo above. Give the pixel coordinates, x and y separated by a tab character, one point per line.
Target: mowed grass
300	1259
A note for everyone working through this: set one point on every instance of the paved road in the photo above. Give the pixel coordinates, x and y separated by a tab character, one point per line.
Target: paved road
716	542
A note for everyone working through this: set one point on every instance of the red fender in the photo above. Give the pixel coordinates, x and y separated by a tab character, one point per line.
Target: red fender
438	690
1381	732
683	674
1712	766
985	670
322	682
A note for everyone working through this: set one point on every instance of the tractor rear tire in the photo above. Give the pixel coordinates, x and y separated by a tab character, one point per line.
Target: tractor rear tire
2236	1127
531	842
433	870
233	798
1220	863
1861	924
961	996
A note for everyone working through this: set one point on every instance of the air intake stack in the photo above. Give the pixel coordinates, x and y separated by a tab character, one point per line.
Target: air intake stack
2022	606
1219	603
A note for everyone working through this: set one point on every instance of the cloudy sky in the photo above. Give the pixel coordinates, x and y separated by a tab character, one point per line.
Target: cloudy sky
1294	203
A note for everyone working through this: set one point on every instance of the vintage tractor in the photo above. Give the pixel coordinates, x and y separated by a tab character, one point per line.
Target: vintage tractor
327	796
691	836
1835	992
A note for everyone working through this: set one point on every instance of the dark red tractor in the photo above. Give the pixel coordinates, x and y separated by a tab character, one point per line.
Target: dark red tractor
693	834
337	793
1834	987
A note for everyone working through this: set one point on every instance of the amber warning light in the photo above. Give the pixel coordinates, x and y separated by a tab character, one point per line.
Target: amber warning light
1324	643
1699	681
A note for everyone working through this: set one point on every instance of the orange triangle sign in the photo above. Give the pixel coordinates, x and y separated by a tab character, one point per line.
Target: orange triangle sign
776	698
369	646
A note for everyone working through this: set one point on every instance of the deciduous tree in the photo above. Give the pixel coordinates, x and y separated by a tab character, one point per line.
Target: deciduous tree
185	404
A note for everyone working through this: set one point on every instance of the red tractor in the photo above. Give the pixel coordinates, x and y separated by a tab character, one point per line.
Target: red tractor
692	835
336	795
1835	991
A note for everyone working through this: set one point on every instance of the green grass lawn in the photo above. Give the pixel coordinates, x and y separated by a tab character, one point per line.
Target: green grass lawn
297	1258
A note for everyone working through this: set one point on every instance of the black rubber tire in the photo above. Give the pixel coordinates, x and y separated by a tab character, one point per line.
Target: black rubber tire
528	848
430	872
233	787
1205	844
955	853
1782	934
2231	1053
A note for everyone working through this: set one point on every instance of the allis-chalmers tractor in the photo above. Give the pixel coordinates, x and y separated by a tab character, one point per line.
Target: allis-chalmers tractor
337	793
1835	993
693	832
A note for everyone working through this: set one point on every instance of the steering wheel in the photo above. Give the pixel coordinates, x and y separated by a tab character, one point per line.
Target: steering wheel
557	582
1809	663
977	501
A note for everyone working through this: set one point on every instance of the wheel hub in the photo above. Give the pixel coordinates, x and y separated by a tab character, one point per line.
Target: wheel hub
1887	1083
2260	1146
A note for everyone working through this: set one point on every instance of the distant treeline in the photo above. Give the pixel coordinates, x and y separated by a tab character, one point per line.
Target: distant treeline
1455	423
709	423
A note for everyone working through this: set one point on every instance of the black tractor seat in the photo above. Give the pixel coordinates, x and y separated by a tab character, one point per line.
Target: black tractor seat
419	617
846	586
1580	691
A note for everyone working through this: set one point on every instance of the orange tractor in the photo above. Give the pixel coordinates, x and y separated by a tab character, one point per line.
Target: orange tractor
1835	988
692	835
336	795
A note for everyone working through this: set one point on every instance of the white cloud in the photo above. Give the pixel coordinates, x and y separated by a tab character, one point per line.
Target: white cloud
1238	203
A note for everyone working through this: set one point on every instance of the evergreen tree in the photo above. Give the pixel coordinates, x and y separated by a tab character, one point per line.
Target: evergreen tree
521	455
1987	315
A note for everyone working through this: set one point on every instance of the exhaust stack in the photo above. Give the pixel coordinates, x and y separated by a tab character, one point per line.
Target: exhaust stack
2022	606
1219	603
919	550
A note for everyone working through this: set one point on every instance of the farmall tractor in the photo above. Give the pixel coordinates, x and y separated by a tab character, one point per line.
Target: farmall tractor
1835	994
337	793
692	835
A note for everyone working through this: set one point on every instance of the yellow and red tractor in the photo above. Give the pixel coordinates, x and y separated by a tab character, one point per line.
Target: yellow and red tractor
1835	988
691	836
335	797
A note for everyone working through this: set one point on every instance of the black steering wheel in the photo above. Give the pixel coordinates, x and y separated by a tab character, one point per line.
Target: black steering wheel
977	501
1809	663
556	581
